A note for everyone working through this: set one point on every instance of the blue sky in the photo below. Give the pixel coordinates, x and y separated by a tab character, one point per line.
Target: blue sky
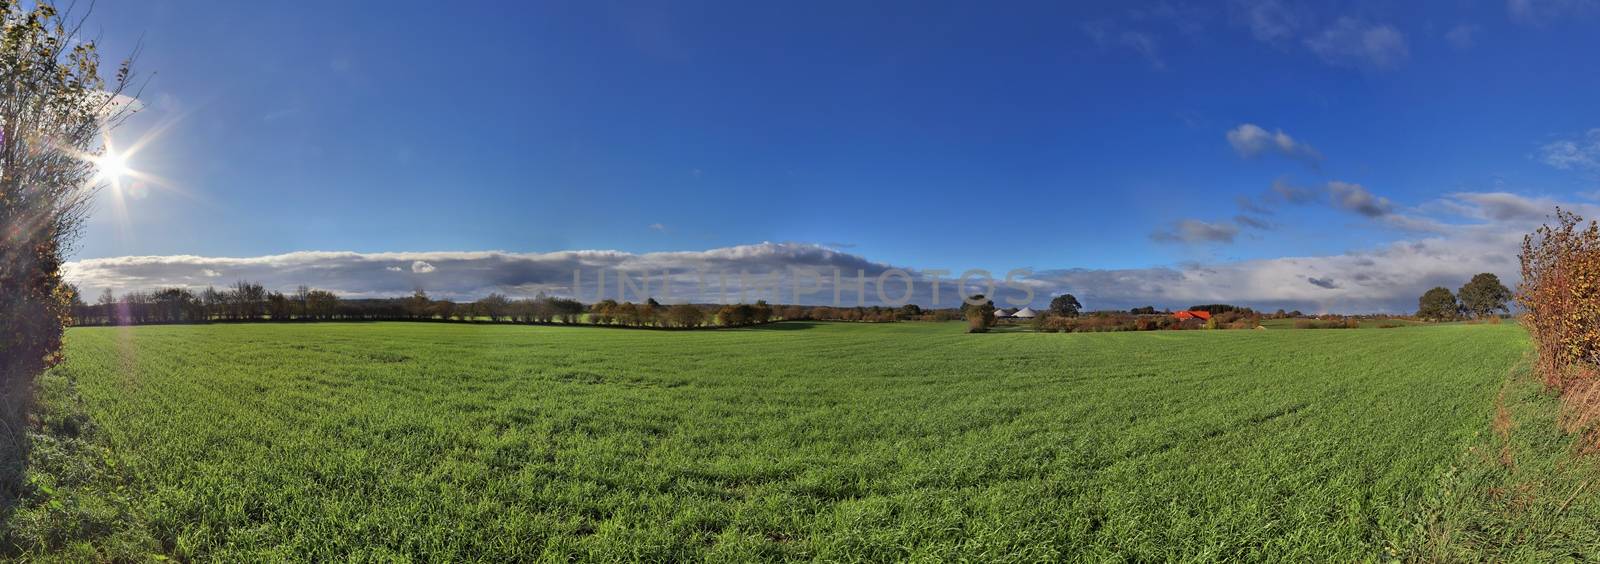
927	135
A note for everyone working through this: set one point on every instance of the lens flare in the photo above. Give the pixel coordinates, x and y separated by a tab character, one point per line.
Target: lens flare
112	166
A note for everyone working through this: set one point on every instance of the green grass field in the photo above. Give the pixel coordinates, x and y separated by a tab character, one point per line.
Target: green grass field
794	441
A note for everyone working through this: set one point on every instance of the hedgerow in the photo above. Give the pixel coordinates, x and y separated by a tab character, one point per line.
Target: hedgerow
1560	295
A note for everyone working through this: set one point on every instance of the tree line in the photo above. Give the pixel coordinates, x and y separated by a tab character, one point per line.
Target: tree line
247	301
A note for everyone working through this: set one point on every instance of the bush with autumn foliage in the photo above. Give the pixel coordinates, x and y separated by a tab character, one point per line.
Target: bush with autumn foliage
1560	295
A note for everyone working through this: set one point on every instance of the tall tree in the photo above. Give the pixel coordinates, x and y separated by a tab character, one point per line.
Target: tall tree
685	315
1065	305
419	306
249	300
1437	304
321	304
1484	295
302	300
54	109
979	317
494	306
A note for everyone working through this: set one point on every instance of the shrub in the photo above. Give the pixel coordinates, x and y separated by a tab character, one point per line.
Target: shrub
1560	293
976	325
1328	322
1560	276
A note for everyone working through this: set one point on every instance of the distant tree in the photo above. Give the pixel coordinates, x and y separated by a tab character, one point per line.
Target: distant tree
569	310
650	312
279	306
976	300
980	317
322	304
302	301
1065	305
174	305
685	315
138	306
628	314
1484	295
737	315
1437	304
494	306
107	304
249	300
444	309
418	306
1146	310
1221	308
213	303
603	311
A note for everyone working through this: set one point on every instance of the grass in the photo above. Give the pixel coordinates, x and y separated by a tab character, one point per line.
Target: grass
831	441
1525	492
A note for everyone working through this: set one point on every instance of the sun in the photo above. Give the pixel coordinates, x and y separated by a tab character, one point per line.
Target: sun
111	166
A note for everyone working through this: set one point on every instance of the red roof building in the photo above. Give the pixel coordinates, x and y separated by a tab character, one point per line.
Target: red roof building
1200	315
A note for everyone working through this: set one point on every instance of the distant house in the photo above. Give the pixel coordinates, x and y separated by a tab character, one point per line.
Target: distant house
1025	313
1200	315
1001	313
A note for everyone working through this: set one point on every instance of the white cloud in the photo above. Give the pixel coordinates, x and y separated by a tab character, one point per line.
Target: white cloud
1353	43
1582	153
457	274
1505	206
1388	278
1413	224
658	227
1251	140
1483	234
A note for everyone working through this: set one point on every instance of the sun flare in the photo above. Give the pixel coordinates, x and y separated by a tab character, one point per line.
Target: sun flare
112	166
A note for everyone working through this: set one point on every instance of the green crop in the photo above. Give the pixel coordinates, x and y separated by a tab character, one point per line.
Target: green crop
830	441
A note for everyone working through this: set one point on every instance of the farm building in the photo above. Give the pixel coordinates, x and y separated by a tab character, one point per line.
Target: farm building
1001	313
1025	313
1200	315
